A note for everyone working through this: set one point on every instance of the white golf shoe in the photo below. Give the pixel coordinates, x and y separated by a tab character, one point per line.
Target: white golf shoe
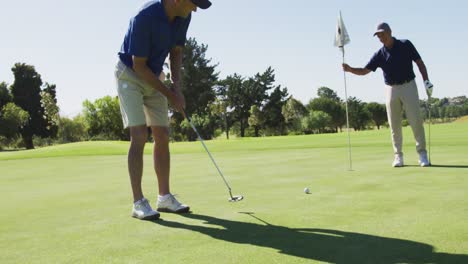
170	204
423	161
142	210
398	161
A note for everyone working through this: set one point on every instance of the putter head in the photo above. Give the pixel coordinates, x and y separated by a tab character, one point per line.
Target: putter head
236	198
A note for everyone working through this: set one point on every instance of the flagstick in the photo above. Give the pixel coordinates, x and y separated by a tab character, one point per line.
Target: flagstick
347	114
430	121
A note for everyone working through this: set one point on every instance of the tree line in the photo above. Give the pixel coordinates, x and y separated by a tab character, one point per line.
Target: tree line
236	105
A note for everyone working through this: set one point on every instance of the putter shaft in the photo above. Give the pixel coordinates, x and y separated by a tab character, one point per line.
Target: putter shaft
233	198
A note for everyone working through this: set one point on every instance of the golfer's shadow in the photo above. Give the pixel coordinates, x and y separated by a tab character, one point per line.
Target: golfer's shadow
326	245
442	166
450	166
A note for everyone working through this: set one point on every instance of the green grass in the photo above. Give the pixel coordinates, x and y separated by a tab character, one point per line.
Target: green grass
462	119
71	203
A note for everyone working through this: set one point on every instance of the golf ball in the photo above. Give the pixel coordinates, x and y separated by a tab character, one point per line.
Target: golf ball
306	190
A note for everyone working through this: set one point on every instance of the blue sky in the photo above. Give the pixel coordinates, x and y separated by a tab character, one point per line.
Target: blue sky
73	44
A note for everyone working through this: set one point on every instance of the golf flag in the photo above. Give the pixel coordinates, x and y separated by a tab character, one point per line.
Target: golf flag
341	39
341	36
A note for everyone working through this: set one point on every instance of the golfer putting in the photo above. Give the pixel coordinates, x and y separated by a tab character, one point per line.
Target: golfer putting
159	29
395	59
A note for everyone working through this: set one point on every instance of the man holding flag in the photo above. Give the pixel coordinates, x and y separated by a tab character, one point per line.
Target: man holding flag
395	59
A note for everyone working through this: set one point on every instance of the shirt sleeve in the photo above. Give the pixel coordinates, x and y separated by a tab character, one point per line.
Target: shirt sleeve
414	55
182	34
139	39
374	62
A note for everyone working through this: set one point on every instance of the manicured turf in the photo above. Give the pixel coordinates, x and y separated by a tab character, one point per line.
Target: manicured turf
72	203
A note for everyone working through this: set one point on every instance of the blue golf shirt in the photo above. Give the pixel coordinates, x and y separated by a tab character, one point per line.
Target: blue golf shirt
151	35
396	63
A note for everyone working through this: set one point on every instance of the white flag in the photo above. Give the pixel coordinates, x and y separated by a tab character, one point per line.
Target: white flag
341	36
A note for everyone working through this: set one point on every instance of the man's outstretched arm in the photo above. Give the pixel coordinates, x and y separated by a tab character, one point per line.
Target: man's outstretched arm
357	71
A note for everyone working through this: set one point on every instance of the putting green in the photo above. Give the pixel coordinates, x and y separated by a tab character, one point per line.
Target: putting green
71	203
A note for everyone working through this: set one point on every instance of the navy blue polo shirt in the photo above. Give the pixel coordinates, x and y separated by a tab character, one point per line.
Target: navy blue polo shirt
396	63
151	35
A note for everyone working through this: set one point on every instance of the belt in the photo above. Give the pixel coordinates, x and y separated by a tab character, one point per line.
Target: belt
401	82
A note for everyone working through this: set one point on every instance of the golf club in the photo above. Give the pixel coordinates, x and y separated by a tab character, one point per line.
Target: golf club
232	198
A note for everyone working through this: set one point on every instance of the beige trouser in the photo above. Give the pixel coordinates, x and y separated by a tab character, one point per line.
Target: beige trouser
140	104
405	97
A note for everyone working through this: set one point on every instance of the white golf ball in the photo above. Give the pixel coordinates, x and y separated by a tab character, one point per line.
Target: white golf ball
306	190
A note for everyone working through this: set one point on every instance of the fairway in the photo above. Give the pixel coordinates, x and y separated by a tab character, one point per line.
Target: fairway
72	203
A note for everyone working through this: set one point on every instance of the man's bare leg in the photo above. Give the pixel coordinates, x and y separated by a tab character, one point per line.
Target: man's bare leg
138	137
161	158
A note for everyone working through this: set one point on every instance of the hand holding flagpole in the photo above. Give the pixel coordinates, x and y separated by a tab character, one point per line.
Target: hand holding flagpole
341	39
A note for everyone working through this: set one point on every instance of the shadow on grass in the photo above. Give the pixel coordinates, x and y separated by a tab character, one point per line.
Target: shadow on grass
333	246
450	166
10	150
442	166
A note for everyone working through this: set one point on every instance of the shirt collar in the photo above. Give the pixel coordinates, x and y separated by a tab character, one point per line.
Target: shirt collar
395	44
161	12
162	15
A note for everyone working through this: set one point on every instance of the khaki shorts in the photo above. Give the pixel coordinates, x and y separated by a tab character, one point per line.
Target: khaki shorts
140	104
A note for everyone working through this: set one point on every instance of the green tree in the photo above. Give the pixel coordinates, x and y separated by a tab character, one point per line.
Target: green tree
435	106
316	122
256	119
103	119
51	109
220	108
325	92
293	111
201	123
359	116
71	130
378	113
332	107
232	92
26	91
12	119
5	96
235	95
442	111
274	119
242	94
198	77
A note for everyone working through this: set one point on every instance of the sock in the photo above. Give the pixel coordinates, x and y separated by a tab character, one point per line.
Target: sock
139	200
164	197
